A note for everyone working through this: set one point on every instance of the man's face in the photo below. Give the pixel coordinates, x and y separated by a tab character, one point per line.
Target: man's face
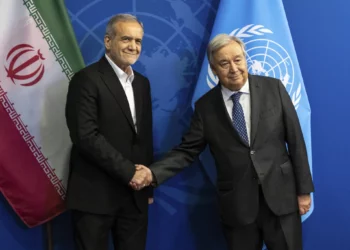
230	65
125	48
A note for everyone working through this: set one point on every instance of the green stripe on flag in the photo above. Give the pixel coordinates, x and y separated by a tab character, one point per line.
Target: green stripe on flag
57	25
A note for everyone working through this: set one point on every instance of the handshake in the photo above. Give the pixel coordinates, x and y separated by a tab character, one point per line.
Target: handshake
142	178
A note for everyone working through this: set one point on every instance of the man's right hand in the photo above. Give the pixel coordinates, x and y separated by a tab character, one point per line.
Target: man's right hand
142	177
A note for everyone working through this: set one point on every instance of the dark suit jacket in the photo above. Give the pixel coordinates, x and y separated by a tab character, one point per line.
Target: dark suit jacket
283	173
105	143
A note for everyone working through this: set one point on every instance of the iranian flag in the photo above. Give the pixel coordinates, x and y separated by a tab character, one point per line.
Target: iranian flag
38	56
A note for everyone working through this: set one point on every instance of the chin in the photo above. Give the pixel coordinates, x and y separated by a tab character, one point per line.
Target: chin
132	61
235	86
236	83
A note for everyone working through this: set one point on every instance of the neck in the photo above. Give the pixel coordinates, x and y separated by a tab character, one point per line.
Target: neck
125	68
235	89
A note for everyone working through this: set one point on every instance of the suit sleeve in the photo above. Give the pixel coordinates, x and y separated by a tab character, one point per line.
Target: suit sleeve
149	124
296	144
82	121
193	143
149	134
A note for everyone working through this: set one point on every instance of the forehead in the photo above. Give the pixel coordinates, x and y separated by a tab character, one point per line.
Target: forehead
132	29
230	50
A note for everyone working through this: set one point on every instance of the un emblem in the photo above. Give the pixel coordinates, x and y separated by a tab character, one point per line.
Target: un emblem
267	58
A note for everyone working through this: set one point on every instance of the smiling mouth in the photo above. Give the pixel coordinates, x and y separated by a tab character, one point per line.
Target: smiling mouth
234	76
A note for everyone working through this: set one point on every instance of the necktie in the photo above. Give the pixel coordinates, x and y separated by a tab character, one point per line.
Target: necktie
238	118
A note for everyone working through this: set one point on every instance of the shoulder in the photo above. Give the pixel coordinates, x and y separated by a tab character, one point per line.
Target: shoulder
208	97
264	80
86	77
260	78
267	84
88	71
142	80
140	77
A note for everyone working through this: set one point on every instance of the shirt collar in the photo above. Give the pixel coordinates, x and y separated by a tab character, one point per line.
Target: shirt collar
226	93
122	76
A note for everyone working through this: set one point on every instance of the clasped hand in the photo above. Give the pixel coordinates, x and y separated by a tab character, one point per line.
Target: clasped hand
142	177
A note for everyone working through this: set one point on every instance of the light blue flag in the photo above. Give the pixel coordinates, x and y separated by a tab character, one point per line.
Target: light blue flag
263	27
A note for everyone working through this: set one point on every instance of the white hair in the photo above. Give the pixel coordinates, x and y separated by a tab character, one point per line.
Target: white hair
220	41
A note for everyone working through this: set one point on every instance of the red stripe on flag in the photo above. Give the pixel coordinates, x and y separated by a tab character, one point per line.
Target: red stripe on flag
26	182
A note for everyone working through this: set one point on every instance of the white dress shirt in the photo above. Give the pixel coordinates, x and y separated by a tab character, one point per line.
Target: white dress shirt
244	100
126	80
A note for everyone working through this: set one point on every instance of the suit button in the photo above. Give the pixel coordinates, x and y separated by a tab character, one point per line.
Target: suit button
252	152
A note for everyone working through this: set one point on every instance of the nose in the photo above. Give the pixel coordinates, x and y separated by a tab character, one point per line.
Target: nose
132	45
233	67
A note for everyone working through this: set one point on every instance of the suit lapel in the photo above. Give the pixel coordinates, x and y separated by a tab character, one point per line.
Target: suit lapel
255	106
110	78
137	88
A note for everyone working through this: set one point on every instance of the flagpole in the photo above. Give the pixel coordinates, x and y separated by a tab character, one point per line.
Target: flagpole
49	235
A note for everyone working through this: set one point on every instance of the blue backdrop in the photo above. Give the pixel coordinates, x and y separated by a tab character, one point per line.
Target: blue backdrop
184	215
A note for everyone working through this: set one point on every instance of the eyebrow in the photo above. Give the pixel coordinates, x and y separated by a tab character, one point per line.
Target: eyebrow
225	60
130	37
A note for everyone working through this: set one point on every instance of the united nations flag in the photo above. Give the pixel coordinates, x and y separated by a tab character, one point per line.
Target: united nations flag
263	27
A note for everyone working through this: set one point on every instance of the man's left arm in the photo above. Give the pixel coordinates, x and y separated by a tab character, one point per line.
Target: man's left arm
149	134
297	151
296	144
